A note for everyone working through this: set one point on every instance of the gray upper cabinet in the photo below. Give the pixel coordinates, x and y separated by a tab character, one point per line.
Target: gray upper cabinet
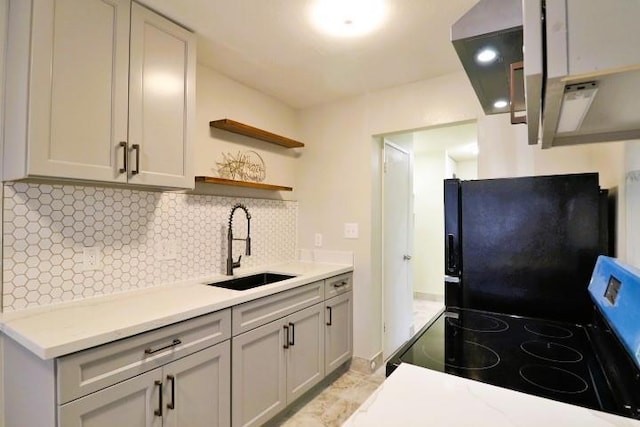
98	90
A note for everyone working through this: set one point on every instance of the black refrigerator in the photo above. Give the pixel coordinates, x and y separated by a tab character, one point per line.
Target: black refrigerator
524	246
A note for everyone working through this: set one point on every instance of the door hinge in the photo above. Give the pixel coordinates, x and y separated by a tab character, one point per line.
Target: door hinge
384	167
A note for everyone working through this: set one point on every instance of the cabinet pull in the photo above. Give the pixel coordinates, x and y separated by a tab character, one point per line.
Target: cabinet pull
293	334
125	151
174	343
330	312
340	284
158	412
286	338
172	404
136	147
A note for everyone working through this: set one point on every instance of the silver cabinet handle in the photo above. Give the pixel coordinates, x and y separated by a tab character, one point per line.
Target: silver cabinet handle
340	284
174	343
158	412
125	150
329	322
136	147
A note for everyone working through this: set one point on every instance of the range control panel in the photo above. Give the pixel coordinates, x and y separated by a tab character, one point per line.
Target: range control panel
615	289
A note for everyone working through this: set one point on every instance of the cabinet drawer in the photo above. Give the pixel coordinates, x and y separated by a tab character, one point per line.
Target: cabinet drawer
93	369
264	310
338	285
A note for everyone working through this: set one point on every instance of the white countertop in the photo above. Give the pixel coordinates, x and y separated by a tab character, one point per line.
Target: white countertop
60	329
415	396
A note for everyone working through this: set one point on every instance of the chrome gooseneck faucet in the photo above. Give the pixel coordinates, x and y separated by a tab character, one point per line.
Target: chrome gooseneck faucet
230	263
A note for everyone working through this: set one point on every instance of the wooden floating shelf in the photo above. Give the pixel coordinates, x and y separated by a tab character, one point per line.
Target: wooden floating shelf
256	185
263	135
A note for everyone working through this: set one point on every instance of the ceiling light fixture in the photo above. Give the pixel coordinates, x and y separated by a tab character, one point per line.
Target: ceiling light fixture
500	103
486	56
348	18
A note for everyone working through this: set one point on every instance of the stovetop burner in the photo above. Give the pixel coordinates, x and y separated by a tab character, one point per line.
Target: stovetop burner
553	379
469	355
552	352
542	358
476	322
547	330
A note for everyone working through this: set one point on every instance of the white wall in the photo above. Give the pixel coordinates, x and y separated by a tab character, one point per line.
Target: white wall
632	200
218	97
428	259
339	177
467	169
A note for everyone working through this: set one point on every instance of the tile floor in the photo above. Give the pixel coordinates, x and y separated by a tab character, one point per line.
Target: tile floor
424	310
331	405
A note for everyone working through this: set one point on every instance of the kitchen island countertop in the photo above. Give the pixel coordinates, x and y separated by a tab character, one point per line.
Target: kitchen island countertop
60	329
415	396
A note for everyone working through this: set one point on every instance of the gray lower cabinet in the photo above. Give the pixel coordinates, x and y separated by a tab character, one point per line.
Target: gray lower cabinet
128	403
178	375
274	364
338	331
190	392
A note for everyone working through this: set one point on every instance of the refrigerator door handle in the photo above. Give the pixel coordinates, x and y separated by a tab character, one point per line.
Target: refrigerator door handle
450	254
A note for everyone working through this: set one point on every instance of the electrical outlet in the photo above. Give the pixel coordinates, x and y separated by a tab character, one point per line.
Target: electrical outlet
91	258
351	230
166	249
318	240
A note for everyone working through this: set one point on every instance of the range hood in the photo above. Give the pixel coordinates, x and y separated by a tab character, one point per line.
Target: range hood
590	63
495	25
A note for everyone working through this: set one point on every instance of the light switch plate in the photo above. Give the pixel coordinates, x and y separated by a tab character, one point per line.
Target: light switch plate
318	240
351	230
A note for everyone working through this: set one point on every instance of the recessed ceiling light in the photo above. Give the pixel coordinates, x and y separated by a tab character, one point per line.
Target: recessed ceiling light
486	56
348	18
500	103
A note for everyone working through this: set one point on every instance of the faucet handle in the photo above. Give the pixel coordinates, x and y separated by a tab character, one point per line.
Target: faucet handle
236	264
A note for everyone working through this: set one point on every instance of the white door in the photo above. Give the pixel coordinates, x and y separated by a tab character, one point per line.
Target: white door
397	232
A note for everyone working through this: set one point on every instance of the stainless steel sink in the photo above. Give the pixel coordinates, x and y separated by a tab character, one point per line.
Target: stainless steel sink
250	282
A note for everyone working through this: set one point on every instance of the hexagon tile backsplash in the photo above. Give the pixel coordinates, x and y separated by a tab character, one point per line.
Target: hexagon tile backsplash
144	239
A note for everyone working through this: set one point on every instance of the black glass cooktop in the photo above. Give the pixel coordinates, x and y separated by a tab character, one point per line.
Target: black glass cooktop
543	358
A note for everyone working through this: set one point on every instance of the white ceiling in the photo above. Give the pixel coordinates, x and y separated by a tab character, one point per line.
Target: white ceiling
272	46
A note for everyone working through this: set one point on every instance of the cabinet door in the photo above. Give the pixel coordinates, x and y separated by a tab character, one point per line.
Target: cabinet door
78	92
130	403
338	331
258	375
198	387
305	355
161	101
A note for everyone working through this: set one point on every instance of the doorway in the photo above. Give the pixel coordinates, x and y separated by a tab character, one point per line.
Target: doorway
437	154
